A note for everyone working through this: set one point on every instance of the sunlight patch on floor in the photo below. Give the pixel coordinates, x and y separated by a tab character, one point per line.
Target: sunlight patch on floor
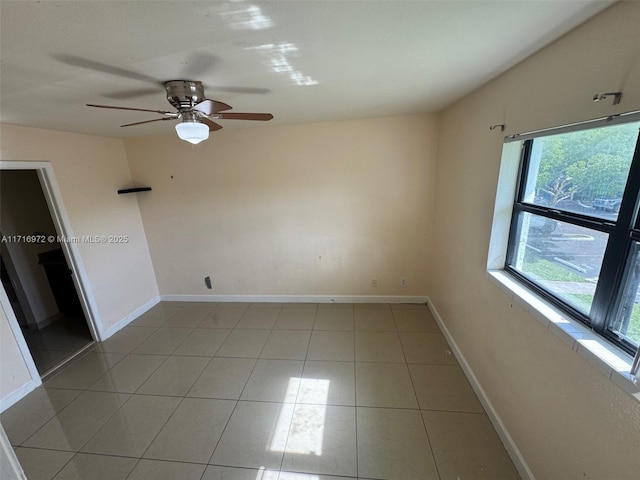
302	430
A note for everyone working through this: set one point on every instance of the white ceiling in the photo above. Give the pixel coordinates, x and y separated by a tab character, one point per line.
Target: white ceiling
303	61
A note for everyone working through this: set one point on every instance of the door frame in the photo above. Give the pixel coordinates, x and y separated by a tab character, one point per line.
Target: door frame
8	455
61	221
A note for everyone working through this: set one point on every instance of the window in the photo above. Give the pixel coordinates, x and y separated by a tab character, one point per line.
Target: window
575	229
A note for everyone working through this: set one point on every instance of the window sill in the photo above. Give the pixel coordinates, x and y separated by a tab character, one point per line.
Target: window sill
612	362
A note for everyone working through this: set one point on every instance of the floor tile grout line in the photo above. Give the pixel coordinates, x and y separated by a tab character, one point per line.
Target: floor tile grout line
138	461
181	401
213	355
433	453
131	396
270	328
293	413
139	386
295	404
295	401
225	426
306	355
204	317
64	466
99	344
178	345
79	450
211	358
186	395
415	394
370	407
49	449
83	355
315	309
463	412
283	403
355	397
55	414
413	387
137	391
163	425
239	395
257	358
183	398
82	391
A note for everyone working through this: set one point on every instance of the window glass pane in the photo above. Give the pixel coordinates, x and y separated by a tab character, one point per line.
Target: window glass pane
626	321
564	259
583	172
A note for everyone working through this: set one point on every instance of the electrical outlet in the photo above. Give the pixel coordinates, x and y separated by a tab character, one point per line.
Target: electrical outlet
374	283
207	282
403	282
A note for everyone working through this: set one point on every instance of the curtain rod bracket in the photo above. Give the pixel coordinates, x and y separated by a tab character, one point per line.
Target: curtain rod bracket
501	125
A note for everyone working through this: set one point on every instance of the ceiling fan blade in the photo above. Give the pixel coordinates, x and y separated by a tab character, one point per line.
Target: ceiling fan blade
161	112
246	116
147	121
209	107
213	126
103	67
127	94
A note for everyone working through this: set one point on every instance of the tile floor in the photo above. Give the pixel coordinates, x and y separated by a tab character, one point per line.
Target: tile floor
261	392
58	341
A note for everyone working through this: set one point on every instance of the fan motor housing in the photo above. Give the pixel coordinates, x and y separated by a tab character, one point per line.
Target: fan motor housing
184	93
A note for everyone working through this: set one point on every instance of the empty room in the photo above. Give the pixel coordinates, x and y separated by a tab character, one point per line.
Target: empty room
319	240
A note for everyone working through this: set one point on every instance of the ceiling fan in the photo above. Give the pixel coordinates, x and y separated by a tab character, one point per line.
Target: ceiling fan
195	112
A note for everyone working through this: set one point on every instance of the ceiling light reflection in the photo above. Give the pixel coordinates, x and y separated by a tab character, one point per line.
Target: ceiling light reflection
278	61
244	17
302	80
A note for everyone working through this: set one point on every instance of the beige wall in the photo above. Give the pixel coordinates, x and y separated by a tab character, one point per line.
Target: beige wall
567	419
89	170
317	209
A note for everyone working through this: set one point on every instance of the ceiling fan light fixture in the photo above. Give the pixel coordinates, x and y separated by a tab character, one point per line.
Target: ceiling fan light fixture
192	132
193	111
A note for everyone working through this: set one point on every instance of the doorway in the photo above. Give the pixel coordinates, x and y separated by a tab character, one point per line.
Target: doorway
36	275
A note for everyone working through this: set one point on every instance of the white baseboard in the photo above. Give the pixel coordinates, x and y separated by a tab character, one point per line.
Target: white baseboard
19	393
512	449
296	298
130	318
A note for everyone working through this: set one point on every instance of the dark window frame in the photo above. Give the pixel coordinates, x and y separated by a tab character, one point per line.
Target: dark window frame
622	234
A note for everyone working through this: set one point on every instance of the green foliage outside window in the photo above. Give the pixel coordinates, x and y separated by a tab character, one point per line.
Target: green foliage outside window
586	165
